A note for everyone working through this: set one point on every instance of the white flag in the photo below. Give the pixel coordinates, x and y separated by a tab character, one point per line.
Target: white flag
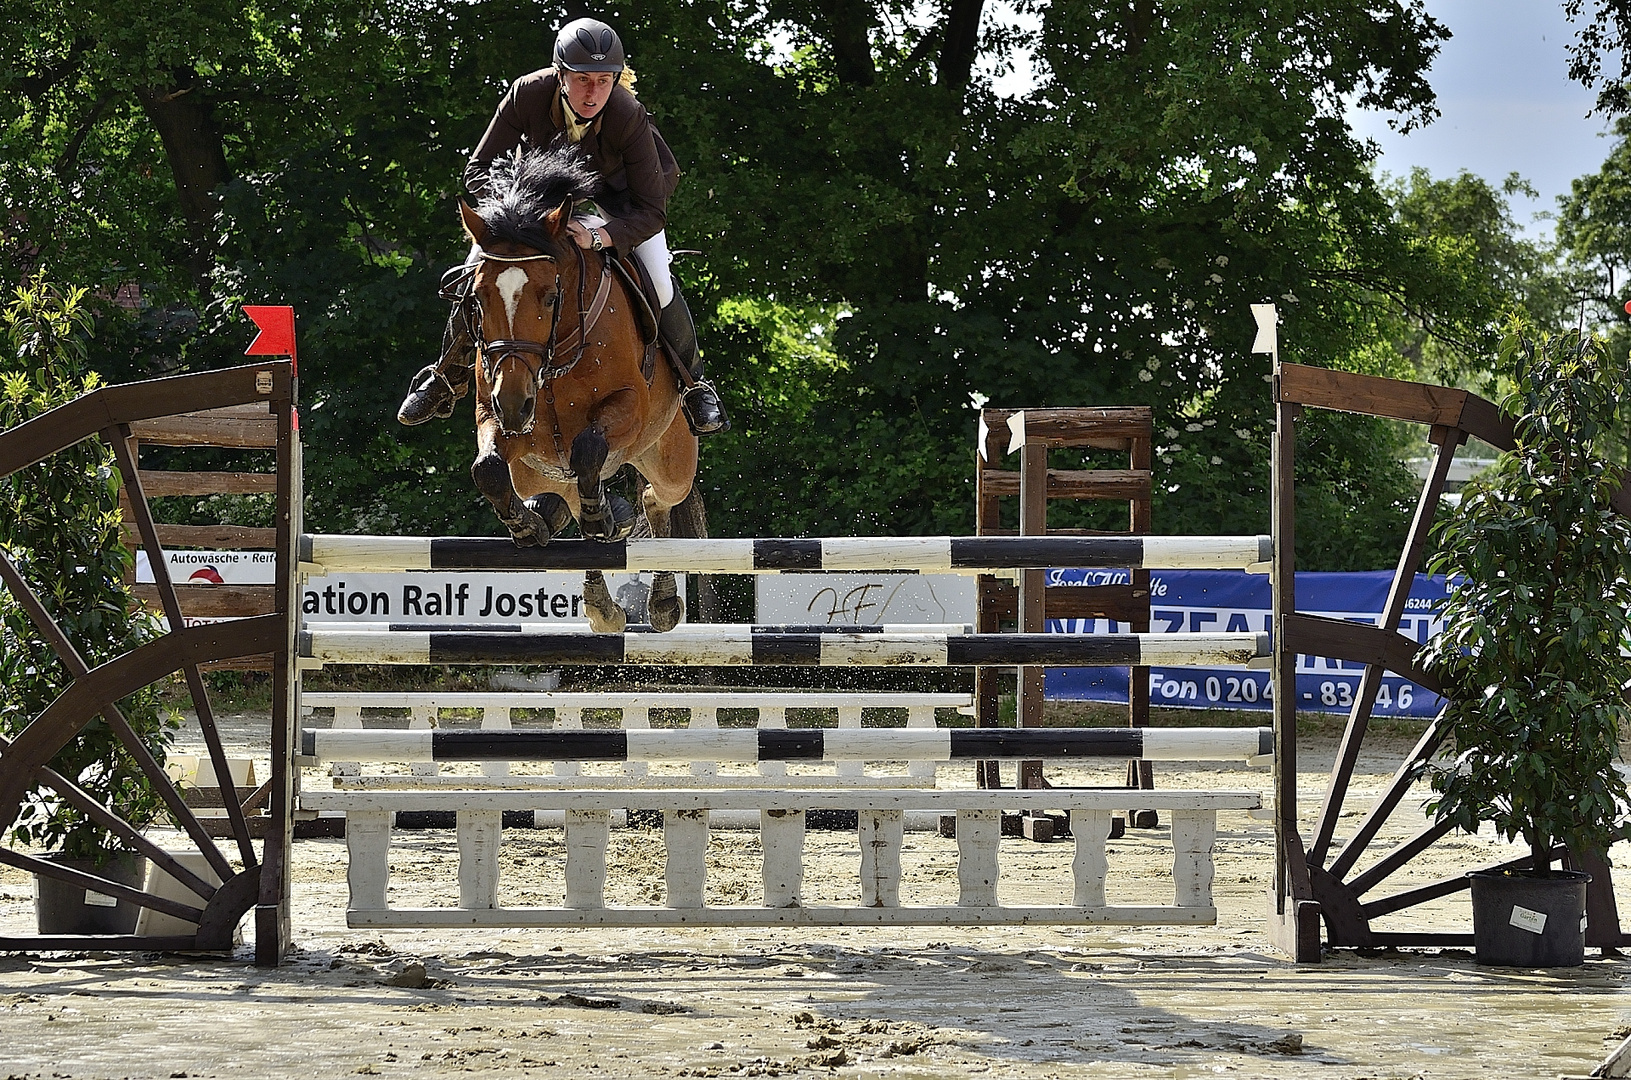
1016	431
1267	336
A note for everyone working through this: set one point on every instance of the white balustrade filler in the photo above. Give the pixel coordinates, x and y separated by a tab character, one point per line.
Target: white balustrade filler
690	804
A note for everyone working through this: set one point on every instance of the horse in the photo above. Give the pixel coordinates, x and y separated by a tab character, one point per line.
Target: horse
553	321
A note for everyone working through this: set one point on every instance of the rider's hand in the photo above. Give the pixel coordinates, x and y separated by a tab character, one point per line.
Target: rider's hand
581	236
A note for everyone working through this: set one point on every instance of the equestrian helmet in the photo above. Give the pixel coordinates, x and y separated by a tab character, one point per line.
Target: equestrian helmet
588	45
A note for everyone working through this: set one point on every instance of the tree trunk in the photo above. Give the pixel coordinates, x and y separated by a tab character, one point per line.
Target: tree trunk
961	42
184	119
1138	24
1540	856
848	24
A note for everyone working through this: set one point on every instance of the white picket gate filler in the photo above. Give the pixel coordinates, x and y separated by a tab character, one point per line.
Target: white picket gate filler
497	713
780	801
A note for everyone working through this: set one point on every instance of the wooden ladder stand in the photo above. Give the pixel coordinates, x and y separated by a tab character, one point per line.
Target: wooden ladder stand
1034	432
236	427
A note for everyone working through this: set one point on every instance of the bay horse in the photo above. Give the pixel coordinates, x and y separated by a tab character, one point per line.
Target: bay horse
567	390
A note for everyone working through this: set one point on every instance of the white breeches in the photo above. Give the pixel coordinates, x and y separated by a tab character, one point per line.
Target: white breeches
653	255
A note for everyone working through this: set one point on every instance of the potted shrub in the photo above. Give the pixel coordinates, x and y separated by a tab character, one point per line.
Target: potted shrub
1532	657
59	523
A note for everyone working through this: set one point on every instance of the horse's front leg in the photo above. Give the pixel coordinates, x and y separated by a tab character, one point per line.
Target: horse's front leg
530	521
602	514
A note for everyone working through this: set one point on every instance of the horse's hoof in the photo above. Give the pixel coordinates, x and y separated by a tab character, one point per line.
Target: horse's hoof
604	614
600	623
623	514
524	537
665	608
552	510
527	529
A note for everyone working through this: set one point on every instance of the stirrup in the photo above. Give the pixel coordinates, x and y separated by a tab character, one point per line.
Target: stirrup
704	412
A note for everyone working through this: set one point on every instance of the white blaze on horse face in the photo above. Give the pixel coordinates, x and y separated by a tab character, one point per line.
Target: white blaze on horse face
510	283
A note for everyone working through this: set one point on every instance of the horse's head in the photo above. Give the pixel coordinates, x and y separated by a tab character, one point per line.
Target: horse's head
520	233
518	290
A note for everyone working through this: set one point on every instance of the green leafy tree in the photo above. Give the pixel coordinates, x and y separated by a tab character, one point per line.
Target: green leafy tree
1594	230
1605	30
1594	227
59	524
1491	272
1532	655
1097	241
853	182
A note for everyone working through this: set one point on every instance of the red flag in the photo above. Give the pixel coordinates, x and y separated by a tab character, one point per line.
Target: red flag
276	325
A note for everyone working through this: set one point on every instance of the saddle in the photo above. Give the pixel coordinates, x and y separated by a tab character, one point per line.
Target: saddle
644	295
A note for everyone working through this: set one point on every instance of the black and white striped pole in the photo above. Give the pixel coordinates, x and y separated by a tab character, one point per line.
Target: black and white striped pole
321	554
682	648
779	744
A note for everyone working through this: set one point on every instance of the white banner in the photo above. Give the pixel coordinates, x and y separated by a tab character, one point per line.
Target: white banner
864	599
413	597
212	567
455	597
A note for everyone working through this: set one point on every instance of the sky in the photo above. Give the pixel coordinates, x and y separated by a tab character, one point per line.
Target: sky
1506	104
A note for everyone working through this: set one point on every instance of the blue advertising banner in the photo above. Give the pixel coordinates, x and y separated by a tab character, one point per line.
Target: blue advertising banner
1191	601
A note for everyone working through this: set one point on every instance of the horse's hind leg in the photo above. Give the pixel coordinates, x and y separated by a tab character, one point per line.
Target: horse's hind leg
605	616
665	607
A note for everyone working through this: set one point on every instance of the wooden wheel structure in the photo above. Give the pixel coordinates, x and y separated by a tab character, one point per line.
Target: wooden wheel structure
1316	878
250	878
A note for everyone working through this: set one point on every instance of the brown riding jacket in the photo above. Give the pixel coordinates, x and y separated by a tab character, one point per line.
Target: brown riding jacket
637	170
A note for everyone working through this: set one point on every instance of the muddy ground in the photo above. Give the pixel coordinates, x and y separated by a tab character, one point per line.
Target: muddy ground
908	1004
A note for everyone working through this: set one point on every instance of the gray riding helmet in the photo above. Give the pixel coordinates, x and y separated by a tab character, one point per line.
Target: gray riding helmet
588	45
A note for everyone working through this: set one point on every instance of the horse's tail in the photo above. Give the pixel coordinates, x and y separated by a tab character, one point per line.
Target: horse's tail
690	519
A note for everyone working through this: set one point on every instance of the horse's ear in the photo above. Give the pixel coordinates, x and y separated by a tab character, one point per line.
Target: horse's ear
473	225
558	217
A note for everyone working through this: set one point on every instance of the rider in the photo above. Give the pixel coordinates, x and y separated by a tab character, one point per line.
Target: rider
586	99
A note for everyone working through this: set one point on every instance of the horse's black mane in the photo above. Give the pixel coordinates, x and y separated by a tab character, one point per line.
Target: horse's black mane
525	186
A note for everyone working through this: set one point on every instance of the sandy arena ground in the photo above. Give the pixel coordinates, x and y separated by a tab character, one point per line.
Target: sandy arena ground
908	1004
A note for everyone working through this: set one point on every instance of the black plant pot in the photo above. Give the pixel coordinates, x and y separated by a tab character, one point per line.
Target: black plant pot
63	908
1523	921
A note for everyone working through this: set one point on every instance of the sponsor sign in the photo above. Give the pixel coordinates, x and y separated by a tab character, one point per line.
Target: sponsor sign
1190	601
502	599
456	597
212	567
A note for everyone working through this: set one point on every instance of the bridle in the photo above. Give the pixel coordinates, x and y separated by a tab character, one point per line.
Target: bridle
457	286
492	352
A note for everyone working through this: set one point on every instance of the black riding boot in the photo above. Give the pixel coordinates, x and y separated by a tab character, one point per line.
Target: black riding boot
699	401
436	388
